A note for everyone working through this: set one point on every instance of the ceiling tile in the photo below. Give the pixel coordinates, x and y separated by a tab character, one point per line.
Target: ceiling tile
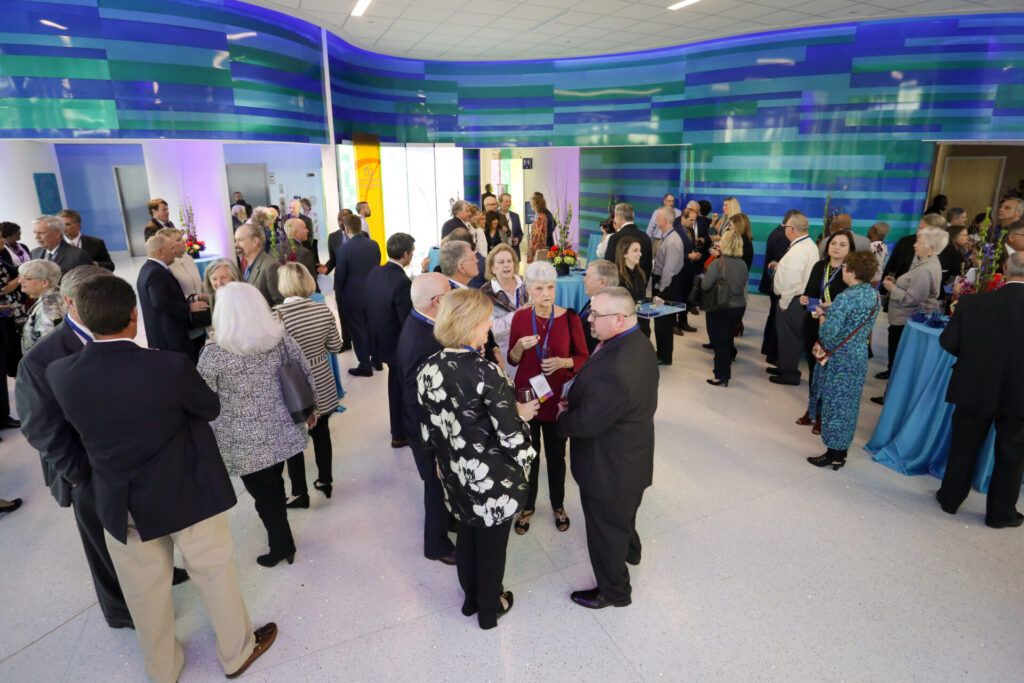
537	14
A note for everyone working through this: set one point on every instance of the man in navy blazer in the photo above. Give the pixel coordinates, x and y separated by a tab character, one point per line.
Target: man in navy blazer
415	345
387	308
164	308
609	418
460	216
514	222
352	265
143	417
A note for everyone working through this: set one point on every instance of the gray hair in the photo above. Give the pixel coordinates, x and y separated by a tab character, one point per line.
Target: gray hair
458	206
540	271
243	321
213	266
41	269
156	243
262	216
624	211
451	254
78	276
1018	201
667	213
621	300
1015	265
254	231
605	270
935	238
53	223
238	211
798	221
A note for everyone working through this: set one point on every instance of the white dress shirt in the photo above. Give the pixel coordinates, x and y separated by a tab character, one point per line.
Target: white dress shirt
794	269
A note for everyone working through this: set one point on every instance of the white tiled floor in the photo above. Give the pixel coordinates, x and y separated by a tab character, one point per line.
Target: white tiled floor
756	566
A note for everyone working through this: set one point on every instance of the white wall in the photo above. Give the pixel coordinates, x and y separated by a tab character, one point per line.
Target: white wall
17	186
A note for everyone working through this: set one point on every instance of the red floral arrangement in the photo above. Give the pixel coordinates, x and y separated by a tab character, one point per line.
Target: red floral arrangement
559	256
194	246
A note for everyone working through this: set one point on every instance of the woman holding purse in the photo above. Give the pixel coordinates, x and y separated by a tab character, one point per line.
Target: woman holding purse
731	271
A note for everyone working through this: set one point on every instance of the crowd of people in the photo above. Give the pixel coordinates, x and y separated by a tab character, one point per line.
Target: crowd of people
486	371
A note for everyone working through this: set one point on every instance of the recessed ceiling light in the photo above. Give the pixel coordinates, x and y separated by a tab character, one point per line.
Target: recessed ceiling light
360	7
47	22
684	3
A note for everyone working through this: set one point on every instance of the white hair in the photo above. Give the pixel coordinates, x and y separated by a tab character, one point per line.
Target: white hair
41	269
242	321
540	271
934	238
52	223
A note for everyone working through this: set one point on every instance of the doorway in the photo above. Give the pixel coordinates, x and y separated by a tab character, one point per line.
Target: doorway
251	181
133	194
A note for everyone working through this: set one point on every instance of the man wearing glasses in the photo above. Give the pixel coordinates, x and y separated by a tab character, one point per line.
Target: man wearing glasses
789	282
609	417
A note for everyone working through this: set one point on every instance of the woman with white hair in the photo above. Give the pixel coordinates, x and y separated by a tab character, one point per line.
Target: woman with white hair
547	344
39	280
255	431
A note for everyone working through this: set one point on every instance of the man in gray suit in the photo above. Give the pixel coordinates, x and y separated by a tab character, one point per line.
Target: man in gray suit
49	232
259	268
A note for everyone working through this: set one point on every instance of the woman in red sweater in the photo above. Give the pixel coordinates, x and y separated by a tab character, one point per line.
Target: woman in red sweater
546	342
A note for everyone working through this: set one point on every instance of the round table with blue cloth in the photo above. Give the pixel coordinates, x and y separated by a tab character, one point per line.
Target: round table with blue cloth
570	292
913	433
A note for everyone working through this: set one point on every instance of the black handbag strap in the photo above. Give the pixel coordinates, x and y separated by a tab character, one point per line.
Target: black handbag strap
851	335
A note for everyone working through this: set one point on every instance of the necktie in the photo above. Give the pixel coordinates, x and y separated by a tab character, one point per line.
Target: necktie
49	255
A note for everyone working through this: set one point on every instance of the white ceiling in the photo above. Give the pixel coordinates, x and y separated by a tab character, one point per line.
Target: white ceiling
504	30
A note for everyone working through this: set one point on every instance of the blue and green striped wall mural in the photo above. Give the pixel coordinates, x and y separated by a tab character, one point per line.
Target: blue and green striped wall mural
113	69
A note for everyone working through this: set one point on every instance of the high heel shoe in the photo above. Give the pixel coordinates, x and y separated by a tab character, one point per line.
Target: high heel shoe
272	558
298	501
833	458
488	622
816	429
718	382
804	419
322	488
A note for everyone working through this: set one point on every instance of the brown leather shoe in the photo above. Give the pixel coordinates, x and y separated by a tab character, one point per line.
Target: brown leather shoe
265	636
399	443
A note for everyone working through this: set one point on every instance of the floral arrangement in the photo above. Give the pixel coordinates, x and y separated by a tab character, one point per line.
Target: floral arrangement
187	223
832	210
562	253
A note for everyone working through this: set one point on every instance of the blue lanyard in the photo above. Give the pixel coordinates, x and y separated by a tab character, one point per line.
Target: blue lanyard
470	348
248	269
542	351
76	328
620	336
419	316
517	298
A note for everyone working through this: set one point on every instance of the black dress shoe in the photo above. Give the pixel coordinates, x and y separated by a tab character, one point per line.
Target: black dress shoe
360	372
594	599
707	346
946	507
9	423
664	362
121	623
718	382
882	375
180	576
346	346
298	501
379	367
443	559
880	400
772	371
776	379
1016	521
633	560
686	327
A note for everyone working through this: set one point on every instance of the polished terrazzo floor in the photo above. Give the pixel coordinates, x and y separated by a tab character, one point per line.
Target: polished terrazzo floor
755	565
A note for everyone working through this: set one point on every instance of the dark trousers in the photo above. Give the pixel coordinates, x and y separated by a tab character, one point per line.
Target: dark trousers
895	332
104	577
611	538
480	560
435	515
346	338
770	343
554	455
266	487
969	433
721	324
198	344
645	327
395	402
360	335
8	341
664	336
789	326
323	454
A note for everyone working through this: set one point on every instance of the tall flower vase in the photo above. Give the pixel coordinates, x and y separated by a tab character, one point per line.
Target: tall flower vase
562	269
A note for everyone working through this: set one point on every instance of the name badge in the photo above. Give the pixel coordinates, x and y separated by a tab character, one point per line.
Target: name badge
541	388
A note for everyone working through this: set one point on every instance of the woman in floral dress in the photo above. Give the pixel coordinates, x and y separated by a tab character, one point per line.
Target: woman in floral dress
477	434
844	331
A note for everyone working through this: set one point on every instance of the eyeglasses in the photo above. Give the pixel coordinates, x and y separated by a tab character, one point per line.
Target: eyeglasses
601	315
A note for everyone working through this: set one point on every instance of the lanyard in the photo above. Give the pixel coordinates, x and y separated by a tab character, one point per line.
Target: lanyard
470	348
825	296
78	330
542	351
419	316
248	269
517	297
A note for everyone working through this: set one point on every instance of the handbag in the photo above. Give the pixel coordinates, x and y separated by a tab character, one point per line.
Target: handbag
716	298
821	354
299	397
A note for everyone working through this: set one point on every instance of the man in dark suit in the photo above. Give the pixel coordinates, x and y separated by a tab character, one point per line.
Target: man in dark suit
774	249
987	386
609	417
298	233
334	242
387	308
164	308
93	246
415	344
624	225
353	263
295	211
600	274
259	268
159	217
674	267
143	417
49	234
515	223
459	219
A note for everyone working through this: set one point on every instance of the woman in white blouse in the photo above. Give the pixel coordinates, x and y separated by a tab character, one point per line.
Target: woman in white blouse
507	292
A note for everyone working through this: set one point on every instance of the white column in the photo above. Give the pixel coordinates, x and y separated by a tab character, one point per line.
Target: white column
177	170
17	184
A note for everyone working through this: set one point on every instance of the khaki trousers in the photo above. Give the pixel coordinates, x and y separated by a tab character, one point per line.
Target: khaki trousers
144	570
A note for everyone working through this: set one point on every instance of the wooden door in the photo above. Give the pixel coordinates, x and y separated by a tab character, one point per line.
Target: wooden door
972	183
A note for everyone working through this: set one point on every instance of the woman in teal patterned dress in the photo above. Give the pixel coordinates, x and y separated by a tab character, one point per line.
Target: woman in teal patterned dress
840	382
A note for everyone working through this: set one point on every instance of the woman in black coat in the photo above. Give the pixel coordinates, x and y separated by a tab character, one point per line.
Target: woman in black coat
628	253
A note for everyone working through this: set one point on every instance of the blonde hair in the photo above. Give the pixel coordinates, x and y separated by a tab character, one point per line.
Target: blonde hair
741	224
734	206
732	244
243	322
294	280
173	233
499	248
460	311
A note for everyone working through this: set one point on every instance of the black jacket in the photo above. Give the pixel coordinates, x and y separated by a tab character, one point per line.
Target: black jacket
42	421
164	310
451	224
986	334
353	263
143	416
97	251
646	252
387	308
415	345
334	242
775	248
901	258
610	420
67	256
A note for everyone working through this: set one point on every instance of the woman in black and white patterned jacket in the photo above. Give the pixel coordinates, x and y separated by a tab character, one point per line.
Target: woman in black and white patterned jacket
477	433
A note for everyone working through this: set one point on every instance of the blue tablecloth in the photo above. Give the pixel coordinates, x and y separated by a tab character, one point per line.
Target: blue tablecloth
913	433
333	359
570	292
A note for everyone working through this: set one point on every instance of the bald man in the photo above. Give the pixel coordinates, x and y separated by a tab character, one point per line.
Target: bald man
166	312
415	345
